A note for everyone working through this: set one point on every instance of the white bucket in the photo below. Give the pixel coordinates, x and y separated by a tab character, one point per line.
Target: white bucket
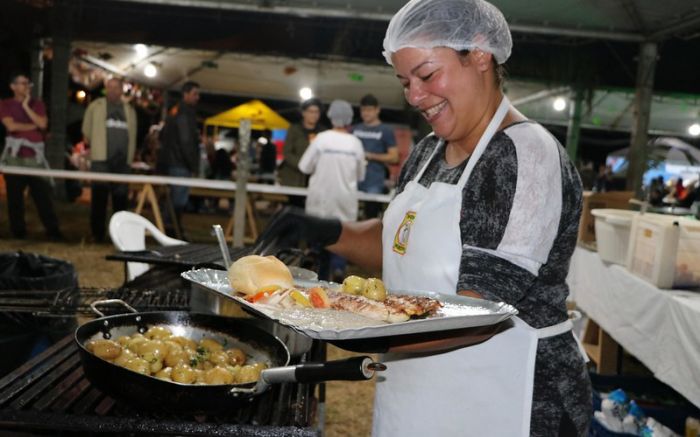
612	230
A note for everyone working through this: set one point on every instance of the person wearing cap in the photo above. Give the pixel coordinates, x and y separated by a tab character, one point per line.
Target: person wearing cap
109	127
492	203
299	135
335	162
380	150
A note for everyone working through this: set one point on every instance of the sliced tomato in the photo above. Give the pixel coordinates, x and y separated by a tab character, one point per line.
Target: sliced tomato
319	298
257	296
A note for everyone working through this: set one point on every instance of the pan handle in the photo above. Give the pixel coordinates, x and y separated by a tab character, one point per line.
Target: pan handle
109	301
351	369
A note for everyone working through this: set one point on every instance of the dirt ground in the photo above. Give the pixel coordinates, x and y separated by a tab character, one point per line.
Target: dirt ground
348	404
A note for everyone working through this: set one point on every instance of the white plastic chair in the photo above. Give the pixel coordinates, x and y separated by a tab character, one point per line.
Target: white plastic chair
128	233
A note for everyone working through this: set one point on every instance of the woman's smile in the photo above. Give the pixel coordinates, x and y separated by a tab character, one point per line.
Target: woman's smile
433	112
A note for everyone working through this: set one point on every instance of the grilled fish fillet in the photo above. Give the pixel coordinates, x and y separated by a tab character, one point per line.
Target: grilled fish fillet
393	309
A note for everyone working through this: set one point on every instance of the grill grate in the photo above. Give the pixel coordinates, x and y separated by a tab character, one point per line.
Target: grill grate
51	393
158	290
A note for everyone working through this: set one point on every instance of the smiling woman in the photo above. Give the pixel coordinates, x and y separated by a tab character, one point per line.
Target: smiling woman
487	206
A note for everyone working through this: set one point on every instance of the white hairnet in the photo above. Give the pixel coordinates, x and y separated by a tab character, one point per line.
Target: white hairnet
340	113
457	24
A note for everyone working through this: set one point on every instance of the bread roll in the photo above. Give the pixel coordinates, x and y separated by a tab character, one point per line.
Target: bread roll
250	273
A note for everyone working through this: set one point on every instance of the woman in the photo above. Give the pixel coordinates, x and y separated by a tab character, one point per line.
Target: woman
491	204
298	138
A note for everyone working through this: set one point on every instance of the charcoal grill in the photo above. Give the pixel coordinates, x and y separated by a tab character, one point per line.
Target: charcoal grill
51	393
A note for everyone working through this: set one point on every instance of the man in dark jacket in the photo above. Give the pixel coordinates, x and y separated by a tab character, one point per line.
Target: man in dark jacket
179	153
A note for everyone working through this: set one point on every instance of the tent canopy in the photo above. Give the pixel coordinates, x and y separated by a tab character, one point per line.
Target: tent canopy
259	114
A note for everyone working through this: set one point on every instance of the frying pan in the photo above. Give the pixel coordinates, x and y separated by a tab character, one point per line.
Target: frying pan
153	393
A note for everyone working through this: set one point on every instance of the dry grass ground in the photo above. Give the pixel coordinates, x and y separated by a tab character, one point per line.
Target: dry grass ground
348	404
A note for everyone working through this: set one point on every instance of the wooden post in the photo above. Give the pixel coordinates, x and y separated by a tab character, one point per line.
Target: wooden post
241	182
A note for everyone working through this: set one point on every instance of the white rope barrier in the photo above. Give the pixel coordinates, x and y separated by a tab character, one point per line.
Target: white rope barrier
170	180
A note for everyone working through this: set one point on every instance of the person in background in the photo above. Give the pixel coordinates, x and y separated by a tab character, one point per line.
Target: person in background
267	159
603	181
109	128
179	154
25	120
299	135
335	161
487	206
380	150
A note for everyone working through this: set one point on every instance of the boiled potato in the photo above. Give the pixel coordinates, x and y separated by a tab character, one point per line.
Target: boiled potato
134	342
218	375
105	349
184	374
219	358
186	343
236	357
125	356
210	345
200	377
248	373
158	333
164	374
353	285
374	289
176	354
138	365
152	351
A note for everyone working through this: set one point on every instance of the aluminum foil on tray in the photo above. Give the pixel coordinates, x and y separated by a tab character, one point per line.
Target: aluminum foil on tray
329	324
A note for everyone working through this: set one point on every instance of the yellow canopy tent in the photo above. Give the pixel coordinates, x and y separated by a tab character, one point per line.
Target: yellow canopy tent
259	114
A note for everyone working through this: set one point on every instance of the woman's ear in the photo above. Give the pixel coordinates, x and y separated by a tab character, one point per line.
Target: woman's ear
483	60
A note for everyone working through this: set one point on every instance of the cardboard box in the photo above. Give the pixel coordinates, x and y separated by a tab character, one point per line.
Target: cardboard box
591	200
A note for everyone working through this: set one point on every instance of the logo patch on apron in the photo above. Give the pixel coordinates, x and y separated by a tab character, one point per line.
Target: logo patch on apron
403	232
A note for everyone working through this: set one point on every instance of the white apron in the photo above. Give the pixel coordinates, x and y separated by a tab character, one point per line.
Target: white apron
481	390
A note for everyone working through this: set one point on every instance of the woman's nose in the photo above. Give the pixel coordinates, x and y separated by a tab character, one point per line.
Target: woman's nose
414	93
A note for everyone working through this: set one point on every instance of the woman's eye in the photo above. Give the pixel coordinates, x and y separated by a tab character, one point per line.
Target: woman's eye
426	77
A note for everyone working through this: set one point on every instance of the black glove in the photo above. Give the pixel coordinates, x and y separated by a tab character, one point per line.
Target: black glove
291	225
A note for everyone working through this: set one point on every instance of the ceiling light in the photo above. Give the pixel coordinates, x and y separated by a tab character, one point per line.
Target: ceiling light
694	129
306	93
559	104
80	95
141	50
150	70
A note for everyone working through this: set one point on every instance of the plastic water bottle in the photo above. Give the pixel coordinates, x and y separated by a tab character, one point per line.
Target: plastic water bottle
634	420
614	408
658	429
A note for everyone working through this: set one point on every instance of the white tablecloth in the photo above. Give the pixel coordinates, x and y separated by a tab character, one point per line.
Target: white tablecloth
659	327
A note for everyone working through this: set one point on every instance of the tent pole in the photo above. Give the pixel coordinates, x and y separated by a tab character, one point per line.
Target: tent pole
648	52
241	181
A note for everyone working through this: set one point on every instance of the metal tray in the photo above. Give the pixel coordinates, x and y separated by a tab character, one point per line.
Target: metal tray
457	312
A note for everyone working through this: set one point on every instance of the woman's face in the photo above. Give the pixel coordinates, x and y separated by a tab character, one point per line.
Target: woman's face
446	88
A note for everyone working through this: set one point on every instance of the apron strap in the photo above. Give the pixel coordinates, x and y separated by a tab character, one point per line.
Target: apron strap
485	139
562	328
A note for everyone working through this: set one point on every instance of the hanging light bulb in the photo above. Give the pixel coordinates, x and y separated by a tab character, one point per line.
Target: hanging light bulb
694	129
306	93
150	70
141	50
559	104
